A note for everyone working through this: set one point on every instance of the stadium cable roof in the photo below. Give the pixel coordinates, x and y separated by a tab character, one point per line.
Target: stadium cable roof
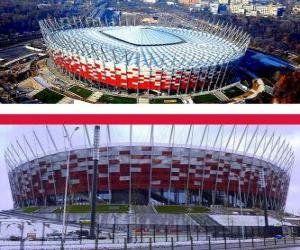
141	46
142	36
256	143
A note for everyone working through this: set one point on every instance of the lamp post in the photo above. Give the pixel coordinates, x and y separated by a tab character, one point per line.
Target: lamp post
66	191
263	186
240	195
95	181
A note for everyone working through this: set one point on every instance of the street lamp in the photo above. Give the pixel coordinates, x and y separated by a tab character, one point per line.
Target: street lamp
95	181
240	195
66	190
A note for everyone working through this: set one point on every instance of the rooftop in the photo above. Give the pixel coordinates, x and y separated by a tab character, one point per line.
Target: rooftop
142	36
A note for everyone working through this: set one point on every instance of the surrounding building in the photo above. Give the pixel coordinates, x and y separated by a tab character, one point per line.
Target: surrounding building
188	2
244	7
150	1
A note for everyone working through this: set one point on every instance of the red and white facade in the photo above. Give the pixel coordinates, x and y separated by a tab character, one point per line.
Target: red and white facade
170	173
140	58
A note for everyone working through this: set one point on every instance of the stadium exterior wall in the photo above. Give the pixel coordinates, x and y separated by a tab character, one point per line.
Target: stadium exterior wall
169	174
178	81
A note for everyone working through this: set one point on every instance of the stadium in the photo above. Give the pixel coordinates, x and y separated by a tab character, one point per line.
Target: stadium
142	58
191	165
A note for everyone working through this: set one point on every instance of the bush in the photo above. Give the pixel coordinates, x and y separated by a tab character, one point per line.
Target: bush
30	209
48	96
116	99
177	209
208	98
165	101
233	92
82	92
100	209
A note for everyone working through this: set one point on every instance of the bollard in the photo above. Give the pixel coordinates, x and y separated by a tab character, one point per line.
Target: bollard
22	244
80	236
128	232
275	242
187	232
113	233
225	243
284	239
252	240
166	233
154	233
172	244
22	237
43	233
240	246
192	245
150	244
177	237
97	237
62	247
141	235
209	243
215	232
125	244
264	239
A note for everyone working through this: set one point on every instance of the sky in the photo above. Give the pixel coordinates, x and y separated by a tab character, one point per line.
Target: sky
141	133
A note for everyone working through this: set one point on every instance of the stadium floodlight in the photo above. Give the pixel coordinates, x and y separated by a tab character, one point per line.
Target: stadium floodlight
142	57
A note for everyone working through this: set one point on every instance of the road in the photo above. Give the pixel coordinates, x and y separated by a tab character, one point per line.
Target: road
234	244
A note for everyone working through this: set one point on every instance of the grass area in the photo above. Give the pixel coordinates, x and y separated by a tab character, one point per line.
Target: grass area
165	101
116	99
233	92
30	209
82	92
177	209
48	96
100	209
208	98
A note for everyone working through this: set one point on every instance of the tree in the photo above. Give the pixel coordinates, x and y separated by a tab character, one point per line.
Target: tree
287	89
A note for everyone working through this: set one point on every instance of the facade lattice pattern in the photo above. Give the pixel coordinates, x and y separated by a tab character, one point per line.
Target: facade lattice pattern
170	173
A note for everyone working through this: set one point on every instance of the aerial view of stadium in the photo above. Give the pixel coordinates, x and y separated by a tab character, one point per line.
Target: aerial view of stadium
147	52
145	58
151	61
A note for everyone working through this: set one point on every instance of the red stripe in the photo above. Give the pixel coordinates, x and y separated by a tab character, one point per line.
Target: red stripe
150	119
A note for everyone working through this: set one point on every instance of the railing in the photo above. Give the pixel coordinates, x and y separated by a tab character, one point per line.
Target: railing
192	243
162	236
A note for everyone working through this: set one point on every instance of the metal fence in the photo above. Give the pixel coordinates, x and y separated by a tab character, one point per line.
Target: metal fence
192	243
163	237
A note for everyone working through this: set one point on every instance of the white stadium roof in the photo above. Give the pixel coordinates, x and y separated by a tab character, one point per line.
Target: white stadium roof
142	36
149	46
